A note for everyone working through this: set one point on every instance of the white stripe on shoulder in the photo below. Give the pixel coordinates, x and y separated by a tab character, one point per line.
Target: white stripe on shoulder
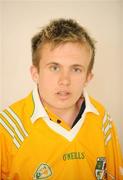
107	128
108	139
6	127
16	143
13	126
104	119
10	132
18	120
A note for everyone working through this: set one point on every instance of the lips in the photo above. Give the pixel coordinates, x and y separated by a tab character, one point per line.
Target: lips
63	94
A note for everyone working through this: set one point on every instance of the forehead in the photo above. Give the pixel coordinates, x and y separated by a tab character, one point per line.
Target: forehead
65	50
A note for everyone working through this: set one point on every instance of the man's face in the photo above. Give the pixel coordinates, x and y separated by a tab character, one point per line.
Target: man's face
63	74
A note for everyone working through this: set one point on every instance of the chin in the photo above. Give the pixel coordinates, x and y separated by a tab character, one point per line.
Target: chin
62	106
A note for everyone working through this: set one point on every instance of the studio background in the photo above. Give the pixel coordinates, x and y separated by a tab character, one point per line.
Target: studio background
20	20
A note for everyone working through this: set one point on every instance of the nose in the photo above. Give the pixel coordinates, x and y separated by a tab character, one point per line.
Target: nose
64	79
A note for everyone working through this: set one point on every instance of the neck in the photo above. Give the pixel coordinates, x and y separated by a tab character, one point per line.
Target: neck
70	115
67	114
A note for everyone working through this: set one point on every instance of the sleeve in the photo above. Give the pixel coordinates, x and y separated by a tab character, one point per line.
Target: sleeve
112	150
3	158
5	155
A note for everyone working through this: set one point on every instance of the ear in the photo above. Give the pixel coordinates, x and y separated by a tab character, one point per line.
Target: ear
34	73
90	76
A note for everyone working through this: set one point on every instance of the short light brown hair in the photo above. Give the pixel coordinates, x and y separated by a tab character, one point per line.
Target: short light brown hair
58	32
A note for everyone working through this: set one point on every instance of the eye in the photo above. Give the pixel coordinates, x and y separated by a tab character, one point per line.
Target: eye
76	69
54	68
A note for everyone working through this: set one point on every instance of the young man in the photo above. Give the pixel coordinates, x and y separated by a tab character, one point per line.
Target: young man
58	132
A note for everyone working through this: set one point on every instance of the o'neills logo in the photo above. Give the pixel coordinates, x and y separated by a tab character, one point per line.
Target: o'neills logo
73	155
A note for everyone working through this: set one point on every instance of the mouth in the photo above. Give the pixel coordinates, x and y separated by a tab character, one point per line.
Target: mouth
63	95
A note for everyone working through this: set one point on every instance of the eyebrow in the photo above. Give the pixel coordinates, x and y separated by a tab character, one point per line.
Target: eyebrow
52	63
77	65
73	65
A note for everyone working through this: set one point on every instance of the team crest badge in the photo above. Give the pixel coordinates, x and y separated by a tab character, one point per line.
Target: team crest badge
100	169
42	172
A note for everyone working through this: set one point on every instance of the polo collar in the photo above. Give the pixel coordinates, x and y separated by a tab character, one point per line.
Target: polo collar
40	112
89	107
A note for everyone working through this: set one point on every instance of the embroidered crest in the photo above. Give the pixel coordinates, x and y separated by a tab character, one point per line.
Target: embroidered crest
42	172
100	169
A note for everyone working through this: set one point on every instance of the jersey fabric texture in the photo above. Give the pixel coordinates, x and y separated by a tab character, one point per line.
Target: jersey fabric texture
35	144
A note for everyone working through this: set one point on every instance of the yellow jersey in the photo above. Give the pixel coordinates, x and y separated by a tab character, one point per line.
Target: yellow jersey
35	144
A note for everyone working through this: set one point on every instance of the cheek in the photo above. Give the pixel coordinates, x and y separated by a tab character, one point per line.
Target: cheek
78	84
80	80
47	80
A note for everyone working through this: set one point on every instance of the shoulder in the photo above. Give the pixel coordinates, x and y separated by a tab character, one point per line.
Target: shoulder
22	103
13	120
18	107
98	105
104	115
